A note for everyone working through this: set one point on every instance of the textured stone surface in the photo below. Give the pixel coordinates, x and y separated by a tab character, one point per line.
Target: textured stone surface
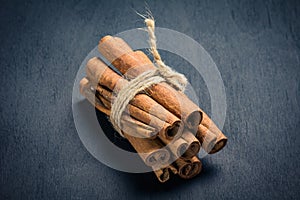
255	45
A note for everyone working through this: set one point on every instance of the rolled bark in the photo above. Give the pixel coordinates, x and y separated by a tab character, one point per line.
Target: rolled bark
188	168
146	104
137	128
193	144
133	126
162	175
196	166
206	138
167	131
85	90
221	139
178	146
142	107
150	150
130	63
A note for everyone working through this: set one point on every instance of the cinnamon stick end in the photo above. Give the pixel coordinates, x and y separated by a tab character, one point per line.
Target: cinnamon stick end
83	85
162	174
219	145
209	141
194	119
174	131
94	70
107	37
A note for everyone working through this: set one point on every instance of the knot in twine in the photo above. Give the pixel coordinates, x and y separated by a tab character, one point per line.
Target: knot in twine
143	81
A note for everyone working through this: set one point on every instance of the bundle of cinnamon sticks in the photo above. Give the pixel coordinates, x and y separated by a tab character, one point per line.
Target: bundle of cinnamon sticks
162	124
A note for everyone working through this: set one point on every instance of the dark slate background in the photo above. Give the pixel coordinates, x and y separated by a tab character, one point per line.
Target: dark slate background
256	46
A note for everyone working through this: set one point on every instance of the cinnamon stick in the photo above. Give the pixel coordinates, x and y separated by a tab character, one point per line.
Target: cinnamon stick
86	91
133	126
188	168
146	104
206	138
142	107
178	147
164	129
193	144
221	140
163	174
117	51
150	150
